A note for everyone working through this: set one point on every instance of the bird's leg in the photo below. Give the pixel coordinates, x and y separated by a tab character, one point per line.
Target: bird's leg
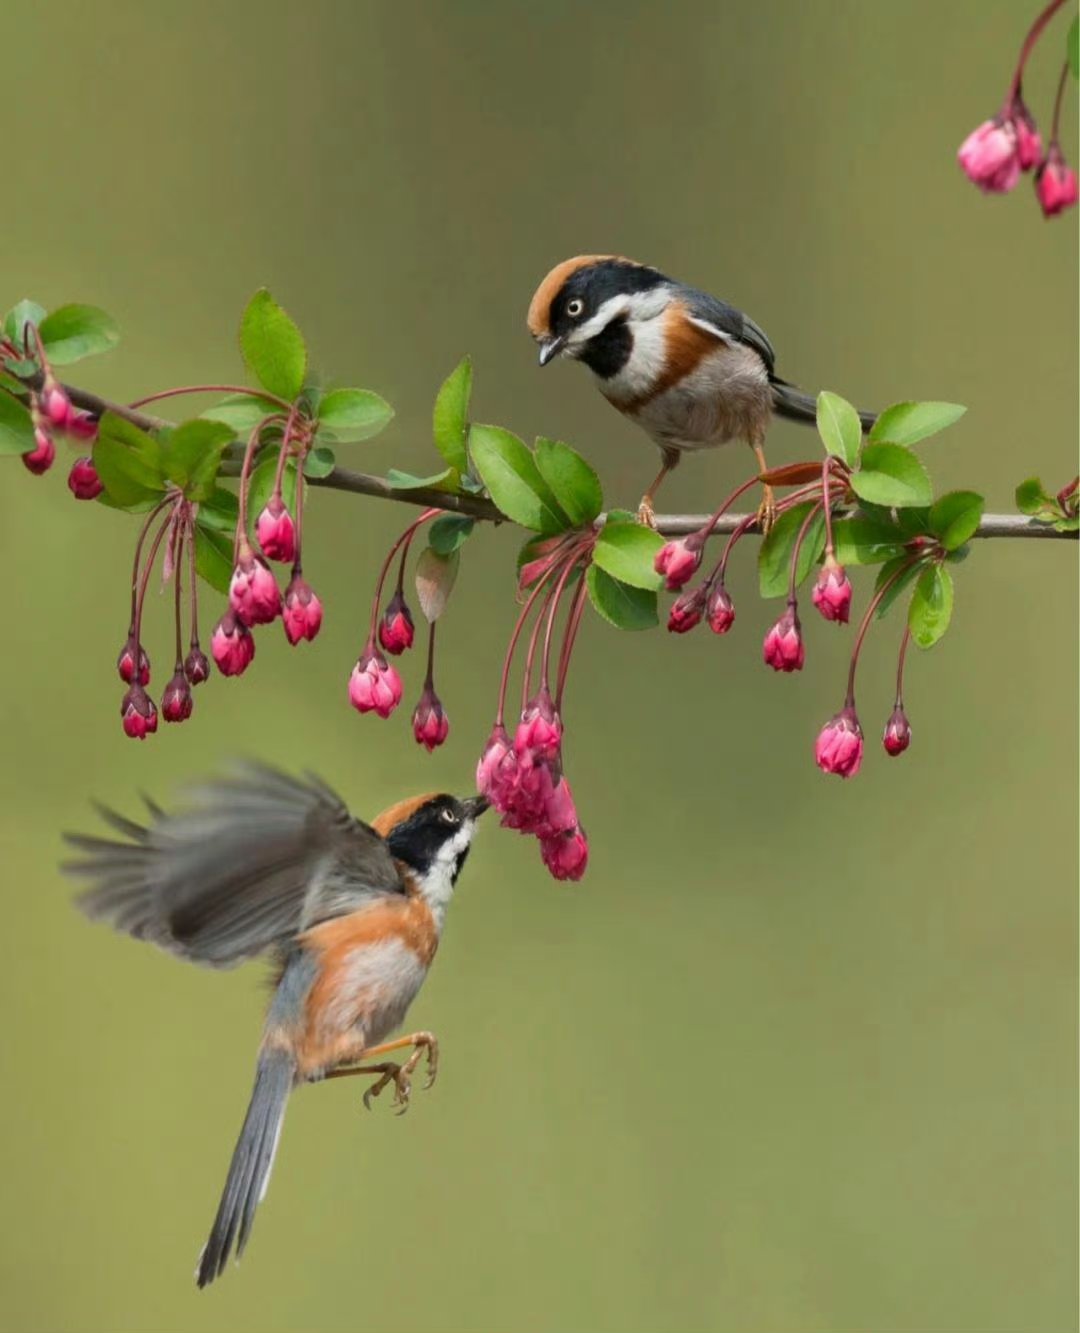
766	513
646	514
400	1075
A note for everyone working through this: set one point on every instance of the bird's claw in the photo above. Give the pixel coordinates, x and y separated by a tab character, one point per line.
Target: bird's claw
397	1075
646	514
766	511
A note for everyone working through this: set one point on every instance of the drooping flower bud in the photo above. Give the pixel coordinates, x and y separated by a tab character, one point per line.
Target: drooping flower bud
560	812
783	648
232	645
176	702
253	591
125	663
82	425
832	591
276	531
430	724
43	455
374	686
990	156
839	746
897	735
720	610
539	732
396	626
566	855
302	614
677	560
196	665
494	771
534	780
138	713
687	610
83	480
1055	184
55	403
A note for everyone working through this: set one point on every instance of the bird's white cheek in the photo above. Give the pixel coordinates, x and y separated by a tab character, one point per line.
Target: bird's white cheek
647	361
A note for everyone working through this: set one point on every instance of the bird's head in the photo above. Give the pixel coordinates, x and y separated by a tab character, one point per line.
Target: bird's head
431	835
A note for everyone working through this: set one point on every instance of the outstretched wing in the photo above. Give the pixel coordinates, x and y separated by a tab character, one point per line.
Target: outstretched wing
253	859
728	323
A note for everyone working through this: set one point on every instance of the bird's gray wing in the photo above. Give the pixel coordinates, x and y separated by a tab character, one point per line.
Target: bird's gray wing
728	323
251	860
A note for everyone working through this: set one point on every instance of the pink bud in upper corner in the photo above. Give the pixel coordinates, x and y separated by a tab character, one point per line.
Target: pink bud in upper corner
839	745
396	626
720	610
539	732
83	480
430	724
687	610
374	686
276	532
897	735
82	425
677	560
138	714
832	592
494	771
125	663
1028	141
232	645
783	647
990	156
1055	185
566	855
56	403
302	615
196	665
176	702
43	455
253	591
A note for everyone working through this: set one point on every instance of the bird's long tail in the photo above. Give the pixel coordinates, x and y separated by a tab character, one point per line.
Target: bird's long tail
790	402
249	1170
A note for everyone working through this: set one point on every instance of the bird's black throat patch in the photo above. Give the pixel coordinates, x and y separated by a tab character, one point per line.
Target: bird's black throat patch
610	349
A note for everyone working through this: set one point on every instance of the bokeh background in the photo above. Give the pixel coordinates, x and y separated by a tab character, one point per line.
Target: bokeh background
798	1055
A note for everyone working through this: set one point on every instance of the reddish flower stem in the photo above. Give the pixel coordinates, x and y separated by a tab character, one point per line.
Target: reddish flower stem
577	609
515	634
1057	102
429	679
283	454
212	388
720	568
404	539
794	571
169	499
900	667
1034	33
245	481
180	532
534	637
868	615
827	467
147	567
193	575
572	562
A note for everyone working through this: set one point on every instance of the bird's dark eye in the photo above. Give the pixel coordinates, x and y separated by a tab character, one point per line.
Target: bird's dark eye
575	307
448	817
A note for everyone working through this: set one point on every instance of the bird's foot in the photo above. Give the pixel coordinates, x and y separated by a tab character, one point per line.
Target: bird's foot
398	1076
766	511
646	514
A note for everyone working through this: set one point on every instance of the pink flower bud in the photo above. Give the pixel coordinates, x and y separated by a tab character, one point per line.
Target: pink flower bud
539	732
253	591
566	855
839	745
897	735
276	532
82	425
832	592
374	686
83	480
176	702
989	156
43	455
1055	185
687	610
783	647
56	403
677	560
196	665
396	626
494	771
232	645
528	793
125	663
302	615
560	813
430	724
137	713
720	610
1028	142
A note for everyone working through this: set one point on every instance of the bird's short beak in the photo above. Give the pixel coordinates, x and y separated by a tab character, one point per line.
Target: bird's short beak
476	805
549	348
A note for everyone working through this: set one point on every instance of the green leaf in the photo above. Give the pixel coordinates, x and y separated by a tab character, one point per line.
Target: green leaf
128	461
907	423
620	516
16	319
450	419
220	510
193	455
954	517
914	521
774	557
508	469
886	572
16	427
1031	498
242	411
891	475
619	604
446	480
11	383
1072	46
213	555
435	576
931	606
573	482
354	414
866	541
628	551
263	475
320	462
839	426
73	331
273	347
449	533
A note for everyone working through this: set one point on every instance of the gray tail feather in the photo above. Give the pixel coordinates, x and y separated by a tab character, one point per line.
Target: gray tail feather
249	1170
790	402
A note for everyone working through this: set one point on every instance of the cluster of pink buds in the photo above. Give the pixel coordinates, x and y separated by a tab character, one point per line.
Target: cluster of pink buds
997	152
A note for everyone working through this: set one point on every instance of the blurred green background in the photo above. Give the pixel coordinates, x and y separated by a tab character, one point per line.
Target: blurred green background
798	1055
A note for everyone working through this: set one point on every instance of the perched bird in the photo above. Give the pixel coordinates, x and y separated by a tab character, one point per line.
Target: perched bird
353	913
691	370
